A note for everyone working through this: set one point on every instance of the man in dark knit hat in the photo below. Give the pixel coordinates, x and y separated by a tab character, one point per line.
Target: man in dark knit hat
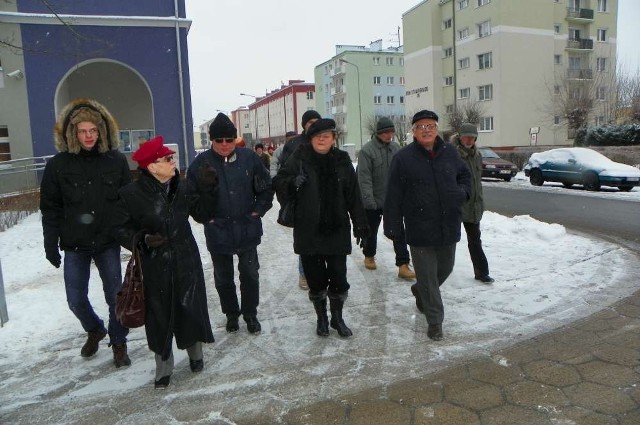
244	196
373	166
78	195
428	184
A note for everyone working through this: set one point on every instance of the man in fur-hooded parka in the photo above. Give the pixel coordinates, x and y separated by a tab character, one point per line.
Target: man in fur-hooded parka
78	193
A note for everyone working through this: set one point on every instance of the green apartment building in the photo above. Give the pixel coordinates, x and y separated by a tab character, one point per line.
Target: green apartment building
523	63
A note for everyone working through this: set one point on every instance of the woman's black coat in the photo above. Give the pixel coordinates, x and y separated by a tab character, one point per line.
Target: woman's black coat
336	194
175	294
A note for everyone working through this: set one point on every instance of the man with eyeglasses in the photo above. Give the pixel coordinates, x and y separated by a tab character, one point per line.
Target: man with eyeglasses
428	184
244	196
78	195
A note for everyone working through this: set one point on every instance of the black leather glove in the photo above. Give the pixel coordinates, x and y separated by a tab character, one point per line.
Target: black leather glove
53	255
208	176
155	241
299	181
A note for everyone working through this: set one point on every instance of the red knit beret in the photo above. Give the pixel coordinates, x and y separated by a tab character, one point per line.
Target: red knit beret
151	151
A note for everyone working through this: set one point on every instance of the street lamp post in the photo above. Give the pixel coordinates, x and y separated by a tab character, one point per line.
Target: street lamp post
359	101
255	113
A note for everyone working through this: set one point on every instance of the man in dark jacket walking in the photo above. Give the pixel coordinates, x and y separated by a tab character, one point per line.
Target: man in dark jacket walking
244	196
474	208
373	168
428	183
78	194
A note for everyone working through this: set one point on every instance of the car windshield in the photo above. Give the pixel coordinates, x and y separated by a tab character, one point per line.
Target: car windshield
488	153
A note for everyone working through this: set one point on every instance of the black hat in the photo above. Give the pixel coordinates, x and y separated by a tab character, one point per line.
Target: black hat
309	115
384	124
468	129
424	114
259	145
222	128
290	134
321	126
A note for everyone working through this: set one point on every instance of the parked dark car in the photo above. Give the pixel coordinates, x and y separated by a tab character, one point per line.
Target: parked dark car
583	166
496	167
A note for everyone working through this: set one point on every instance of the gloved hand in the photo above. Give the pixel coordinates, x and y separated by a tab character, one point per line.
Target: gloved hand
155	241
299	181
53	255
208	175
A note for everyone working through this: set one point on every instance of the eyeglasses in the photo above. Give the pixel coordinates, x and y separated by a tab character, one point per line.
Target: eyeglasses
225	140
91	131
167	158
426	126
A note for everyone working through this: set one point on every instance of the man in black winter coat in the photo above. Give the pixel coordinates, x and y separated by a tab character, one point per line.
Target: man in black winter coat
78	193
428	184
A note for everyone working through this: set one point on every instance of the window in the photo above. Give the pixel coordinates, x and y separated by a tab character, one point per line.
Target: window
601	92
448	81
401	61
602	34
402	100
376	60
464	93
447	52
448	109
309	95
390	100
463	63
556	89
402	81
484	60
556	120
483	2
556	28
389	61
574	34
557	59
600	120
486	124
390	81
485	92
377	99
376	80
575	62
447	23
463	33
463	4
484	29
603	6
601	64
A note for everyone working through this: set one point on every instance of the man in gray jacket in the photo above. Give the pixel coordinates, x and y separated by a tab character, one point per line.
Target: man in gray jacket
373	167
472	210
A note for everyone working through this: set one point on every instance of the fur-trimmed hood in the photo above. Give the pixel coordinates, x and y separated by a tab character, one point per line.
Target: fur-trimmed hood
80	110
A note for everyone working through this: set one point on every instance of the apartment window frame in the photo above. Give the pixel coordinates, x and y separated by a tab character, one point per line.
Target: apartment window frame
484	28
464	93
448	109
447	23
401	100
377	80
463	4
601	93
483	2
376	61
389	61
557	59
463	33
390	80
447	52
310	95
601	64
401	80
600	120
464	63
603	6
391	100
448	81
485	92
556	119
557	28
377	99
485	60
486	124
556	89
601	35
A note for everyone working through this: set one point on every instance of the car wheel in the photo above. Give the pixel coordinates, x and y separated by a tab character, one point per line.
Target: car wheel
507	179
567	185
590	181
625	188
535	177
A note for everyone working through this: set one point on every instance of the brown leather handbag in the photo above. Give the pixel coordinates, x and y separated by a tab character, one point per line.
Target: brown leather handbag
130	310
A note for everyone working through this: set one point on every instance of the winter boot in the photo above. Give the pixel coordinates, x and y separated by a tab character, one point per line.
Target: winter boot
370	263
120	357
93	340
337	323
319	300
232	323
253	325
405	272
435	332
302	282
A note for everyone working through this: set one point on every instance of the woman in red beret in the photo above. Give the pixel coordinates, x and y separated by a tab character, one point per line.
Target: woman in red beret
158	206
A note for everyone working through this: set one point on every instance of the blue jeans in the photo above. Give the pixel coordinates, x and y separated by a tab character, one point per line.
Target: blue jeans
249	282
77	266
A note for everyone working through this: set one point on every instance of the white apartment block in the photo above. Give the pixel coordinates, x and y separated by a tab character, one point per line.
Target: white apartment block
515	59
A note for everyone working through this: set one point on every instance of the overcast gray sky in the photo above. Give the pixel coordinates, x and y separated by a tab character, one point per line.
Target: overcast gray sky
250	46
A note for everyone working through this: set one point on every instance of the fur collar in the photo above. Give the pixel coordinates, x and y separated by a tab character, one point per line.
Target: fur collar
85	110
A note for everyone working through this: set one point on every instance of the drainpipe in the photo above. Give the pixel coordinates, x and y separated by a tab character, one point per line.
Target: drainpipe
181	83
455	55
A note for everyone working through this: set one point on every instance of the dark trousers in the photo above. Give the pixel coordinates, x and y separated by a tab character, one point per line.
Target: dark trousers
399	246
433	265
249	282
479	260
77	267
326	272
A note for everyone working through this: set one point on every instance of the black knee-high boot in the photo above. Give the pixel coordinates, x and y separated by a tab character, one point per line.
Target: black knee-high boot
319	300
337	323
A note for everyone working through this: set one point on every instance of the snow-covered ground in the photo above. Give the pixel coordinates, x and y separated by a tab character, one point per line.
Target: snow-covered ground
43	379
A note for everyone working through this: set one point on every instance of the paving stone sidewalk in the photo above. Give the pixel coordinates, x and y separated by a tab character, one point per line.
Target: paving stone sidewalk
584	373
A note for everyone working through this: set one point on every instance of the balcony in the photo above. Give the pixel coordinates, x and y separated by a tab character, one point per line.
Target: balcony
337	70
580	44
580	74
579	15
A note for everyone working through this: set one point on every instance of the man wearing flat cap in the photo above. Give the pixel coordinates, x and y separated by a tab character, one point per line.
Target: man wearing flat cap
78	194
428	184
373	168
244	196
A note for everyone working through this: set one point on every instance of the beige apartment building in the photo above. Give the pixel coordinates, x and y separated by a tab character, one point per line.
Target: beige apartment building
522	63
